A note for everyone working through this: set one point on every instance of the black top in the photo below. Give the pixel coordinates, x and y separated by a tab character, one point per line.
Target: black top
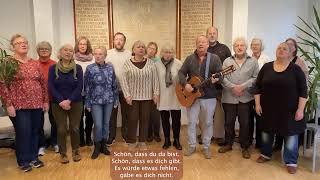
139	64
192	67
280	92
223	52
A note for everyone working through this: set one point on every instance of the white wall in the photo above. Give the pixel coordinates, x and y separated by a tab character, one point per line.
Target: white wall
16	16
273	20
223	14
63	22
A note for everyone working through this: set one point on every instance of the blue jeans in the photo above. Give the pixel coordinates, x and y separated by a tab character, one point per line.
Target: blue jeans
101	117
27	127
207	107
291	148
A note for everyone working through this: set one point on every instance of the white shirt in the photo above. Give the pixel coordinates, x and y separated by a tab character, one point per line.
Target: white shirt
117	59
263	59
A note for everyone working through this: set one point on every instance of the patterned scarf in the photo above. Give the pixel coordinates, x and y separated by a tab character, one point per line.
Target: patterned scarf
83	57
61	68
168	65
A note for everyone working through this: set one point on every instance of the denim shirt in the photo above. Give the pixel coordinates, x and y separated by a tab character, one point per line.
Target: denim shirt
100	85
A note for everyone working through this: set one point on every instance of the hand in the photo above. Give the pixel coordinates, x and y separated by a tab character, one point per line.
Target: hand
62	104
299	115
65	104
45	107
89	109
129	100
11	111
258	109
67	107
214	80
237	90
188	88
68	102
156	99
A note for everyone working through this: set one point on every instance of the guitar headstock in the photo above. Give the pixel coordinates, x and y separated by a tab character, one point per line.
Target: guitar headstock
225	71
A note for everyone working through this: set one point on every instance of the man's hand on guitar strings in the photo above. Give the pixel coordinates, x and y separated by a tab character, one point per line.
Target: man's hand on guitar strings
214	80
188	88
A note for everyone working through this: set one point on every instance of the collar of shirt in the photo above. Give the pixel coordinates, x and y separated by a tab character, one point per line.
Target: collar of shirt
246	57
199	60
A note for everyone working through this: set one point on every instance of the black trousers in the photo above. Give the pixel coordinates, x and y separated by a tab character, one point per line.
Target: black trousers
139	113
124	117
257	126
89	125
53	137
176	123
154	122
242	111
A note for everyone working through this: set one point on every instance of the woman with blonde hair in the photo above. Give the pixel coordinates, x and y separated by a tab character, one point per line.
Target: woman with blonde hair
140	85
25	99
280	98
65	86
101	96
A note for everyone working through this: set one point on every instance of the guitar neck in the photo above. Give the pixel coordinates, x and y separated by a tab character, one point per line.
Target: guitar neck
204	82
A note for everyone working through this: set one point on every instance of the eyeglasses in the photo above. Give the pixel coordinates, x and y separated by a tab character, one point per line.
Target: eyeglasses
20	43
43	49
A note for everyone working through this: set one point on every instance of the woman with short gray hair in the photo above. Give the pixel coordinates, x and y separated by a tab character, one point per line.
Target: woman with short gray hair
168	69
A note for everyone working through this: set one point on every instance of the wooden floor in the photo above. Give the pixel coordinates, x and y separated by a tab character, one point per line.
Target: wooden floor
227	166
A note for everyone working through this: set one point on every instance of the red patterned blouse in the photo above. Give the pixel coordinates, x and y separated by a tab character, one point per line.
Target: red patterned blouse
28	90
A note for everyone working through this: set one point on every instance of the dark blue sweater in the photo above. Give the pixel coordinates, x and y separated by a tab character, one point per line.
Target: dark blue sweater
66	86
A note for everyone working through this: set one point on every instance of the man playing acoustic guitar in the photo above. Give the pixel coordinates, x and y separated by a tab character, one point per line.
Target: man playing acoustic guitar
202	64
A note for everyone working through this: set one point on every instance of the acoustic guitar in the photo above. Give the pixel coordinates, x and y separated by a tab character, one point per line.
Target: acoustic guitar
187	98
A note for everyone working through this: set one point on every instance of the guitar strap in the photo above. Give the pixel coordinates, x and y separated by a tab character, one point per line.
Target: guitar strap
207	65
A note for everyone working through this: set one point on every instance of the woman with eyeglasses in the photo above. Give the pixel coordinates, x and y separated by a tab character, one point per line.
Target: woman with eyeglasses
26	98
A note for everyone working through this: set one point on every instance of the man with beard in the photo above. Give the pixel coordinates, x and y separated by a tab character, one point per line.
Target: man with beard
223	52
117	56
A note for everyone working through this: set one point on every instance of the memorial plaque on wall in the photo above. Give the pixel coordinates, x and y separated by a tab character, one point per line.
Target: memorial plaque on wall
196	17
91	20
177	22
146	20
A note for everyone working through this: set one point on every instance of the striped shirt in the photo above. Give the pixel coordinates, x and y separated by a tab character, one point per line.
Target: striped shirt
140	84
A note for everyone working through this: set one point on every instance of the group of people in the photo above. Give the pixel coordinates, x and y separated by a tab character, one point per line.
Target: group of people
267	97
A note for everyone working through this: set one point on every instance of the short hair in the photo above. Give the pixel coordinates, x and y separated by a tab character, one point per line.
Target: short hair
295	45
44	43
202	36
120	33
103	48
89	47
210	28
62	47
139	43
153	43
240	39
167	48
16	36
261	42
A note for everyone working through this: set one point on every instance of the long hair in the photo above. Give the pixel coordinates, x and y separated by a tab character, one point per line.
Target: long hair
294	53
89	47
